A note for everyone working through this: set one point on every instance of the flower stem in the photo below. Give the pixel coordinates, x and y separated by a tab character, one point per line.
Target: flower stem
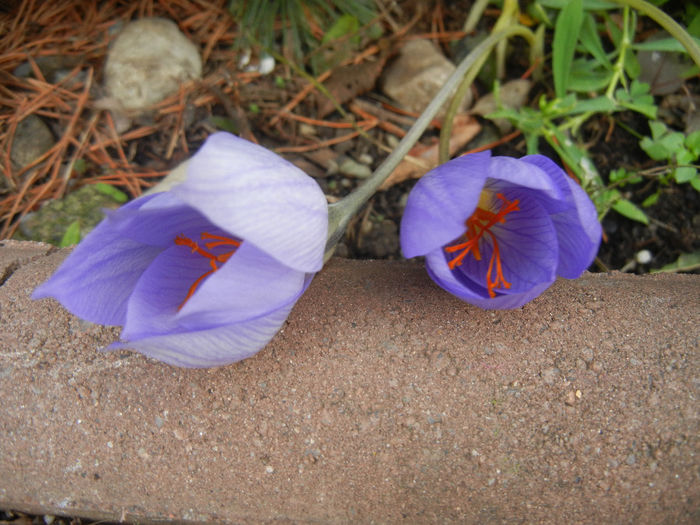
339	213
668	23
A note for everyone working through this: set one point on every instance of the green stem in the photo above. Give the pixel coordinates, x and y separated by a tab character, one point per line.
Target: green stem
339	213
668	23
446	131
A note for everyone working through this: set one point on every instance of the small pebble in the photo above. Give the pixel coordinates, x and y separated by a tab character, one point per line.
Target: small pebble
643	257
366	158
549	375
570	398
352	168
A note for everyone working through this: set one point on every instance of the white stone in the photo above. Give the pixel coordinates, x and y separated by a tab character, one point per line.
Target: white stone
148	61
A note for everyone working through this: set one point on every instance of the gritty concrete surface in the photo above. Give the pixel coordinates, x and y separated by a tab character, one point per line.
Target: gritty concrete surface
382	400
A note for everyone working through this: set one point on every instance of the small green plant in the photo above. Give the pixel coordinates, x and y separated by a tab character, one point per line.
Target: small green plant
297	23
595	77
679	151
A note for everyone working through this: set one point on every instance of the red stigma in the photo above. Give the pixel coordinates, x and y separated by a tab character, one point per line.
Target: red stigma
477	225
218	240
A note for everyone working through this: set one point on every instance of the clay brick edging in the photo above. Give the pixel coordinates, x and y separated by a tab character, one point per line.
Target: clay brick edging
383	399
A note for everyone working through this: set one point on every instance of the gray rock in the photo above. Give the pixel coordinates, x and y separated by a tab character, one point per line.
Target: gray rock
31	140
417	75
148	61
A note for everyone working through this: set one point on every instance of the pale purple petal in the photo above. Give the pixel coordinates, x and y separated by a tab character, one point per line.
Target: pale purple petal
160	219
256	195
96	279
441	202
578	230
248	285
153	304
211	347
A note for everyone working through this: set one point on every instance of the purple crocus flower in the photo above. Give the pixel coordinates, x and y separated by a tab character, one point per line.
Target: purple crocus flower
205	274
497	231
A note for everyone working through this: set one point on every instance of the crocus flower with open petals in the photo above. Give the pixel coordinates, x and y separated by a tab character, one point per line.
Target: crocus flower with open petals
205	274
497	231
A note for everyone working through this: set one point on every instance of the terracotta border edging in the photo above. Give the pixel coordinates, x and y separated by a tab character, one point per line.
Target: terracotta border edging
383	399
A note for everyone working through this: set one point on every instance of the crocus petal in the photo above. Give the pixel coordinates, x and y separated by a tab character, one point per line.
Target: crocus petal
211	347
517	174
441	202
96	279
578	230
162	287
527	243
551	230
439	271
249	284
160	219
256	195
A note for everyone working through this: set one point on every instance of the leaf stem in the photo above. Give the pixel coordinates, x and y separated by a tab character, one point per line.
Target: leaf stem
339	213
668	23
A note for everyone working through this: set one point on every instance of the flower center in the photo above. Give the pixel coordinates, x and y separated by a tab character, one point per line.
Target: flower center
214	259
477	225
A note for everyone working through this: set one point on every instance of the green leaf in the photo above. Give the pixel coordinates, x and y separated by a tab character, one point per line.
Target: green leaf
631	65
670	45
588	5
72	235
111	191
673	141
566	31
594	105
692	142
658	129
345	25
684	174
655	150
651	200
686	262
590	39
584	79
630	210
695	183
224	124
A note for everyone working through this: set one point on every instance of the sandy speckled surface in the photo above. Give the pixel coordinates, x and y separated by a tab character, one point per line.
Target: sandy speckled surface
383	399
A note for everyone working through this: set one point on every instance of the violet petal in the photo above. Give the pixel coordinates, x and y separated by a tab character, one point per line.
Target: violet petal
578	230
437	268
441	202
527	244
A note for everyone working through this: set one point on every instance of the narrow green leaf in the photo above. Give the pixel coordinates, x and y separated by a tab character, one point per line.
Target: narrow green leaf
686	262
566	32
630	210
595	105
588	5
72	235
670	45
345	25
651	200
590	39
111	191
